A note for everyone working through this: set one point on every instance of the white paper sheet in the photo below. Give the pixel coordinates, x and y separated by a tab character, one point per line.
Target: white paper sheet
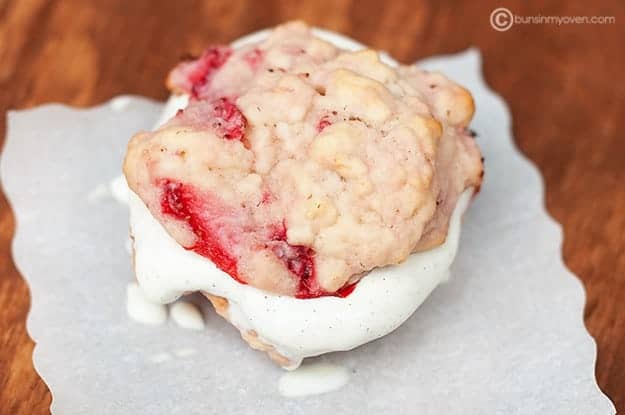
504	336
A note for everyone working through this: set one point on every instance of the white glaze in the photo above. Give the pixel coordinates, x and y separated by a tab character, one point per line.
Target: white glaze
312	379
98	193
142	310
382	300
119	189
128	246
120	103
186	315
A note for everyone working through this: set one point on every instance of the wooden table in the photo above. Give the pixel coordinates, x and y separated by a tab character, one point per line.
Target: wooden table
564	85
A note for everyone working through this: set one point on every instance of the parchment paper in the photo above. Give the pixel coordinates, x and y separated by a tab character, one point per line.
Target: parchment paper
504	336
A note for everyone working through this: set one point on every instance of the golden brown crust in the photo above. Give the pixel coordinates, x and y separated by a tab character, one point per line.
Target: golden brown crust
172	86
467	105
130	160
133	252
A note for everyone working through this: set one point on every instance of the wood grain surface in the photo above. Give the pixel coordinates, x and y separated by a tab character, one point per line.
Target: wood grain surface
564	85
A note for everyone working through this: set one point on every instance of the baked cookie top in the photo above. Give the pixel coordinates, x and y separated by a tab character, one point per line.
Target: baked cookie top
297	166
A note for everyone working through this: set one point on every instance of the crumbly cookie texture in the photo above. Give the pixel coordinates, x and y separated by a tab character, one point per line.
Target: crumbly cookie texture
297	167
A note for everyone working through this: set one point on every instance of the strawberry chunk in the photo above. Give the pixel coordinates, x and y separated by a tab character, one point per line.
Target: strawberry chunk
254	58
229	122
221	115
217	235
298	259
213	237
193	77
346	290
323	123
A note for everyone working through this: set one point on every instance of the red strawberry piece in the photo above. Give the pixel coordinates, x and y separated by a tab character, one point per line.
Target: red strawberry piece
323	123
204	216
254	58
228	121
193	77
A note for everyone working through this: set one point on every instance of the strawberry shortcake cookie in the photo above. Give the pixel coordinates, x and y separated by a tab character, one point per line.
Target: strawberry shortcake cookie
313	194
